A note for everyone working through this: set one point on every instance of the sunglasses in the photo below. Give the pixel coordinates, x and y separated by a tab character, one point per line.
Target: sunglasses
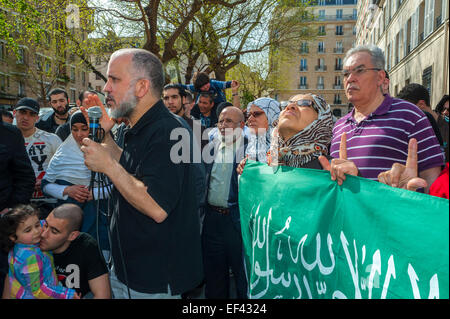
298	103
255	114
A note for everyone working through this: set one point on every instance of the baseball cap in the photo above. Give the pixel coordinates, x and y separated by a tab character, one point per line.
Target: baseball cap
29	104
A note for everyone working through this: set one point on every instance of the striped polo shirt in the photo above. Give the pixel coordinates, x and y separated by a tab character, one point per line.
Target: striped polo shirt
381	139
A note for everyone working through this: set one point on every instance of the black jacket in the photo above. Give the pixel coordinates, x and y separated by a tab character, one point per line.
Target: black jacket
17	177
47	123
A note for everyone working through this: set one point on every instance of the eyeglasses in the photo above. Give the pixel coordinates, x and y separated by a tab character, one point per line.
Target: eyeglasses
359	70
255	114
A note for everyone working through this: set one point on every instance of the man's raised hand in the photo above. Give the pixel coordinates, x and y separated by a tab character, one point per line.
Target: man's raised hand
404	176
339	167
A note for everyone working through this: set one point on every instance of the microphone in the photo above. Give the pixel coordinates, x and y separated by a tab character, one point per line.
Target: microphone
95	130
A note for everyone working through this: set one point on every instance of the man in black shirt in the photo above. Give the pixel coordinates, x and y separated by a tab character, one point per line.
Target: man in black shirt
156	244
59	101
78	261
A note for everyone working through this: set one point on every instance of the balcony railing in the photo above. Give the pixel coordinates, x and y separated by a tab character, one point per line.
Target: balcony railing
338	87
304	50
303	68
338	67
303	86
320	50
320	68
320	86
337	17
338	50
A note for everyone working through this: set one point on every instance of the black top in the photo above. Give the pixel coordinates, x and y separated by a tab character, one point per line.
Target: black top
169	253
48	124
17	176
64	130
81	257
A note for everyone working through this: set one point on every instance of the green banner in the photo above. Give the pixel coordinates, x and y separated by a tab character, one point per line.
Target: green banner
305	236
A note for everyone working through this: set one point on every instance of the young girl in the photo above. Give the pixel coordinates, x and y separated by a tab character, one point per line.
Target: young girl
31	271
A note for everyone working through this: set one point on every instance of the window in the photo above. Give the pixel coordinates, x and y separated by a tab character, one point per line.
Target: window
426	78
339	30
388	57
2	82
337	83
321	30
303	84
320	85
304	47
429	18
444	10
321	65
303	65
339	14
337	99
20	56
39	62
83	78
21	91
72	73
414	29
2	50
339	48
98	60
321	14
321	47
338	66
355	14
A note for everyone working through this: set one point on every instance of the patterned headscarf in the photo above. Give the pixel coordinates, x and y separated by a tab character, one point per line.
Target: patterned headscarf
258	146
309	143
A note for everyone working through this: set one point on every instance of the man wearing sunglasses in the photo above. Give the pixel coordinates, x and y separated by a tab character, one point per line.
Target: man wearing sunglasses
379	127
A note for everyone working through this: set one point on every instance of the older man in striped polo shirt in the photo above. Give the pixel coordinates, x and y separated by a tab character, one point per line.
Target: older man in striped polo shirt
379	127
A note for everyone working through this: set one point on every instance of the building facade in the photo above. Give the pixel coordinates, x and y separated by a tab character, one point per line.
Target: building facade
37	67
317	68
414	37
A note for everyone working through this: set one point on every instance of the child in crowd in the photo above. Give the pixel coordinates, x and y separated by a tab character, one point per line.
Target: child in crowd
31	271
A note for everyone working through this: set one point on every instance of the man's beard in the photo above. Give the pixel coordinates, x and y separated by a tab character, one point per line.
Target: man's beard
66	109
126	107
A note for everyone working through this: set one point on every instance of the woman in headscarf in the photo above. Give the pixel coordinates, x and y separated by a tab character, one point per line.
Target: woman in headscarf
303	133
262	117
67	177
303	136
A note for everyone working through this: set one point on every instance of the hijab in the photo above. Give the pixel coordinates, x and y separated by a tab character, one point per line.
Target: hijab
259	145
68	161
309	143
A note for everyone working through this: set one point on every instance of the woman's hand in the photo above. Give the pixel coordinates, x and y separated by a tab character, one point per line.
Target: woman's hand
241	165
80	193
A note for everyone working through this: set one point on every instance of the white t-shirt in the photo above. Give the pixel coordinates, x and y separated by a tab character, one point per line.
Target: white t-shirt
40	149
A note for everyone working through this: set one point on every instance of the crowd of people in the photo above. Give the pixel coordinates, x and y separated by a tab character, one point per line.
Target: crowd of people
161	227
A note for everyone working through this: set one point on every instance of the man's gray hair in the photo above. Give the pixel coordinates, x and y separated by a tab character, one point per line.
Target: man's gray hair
375	52
147	66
